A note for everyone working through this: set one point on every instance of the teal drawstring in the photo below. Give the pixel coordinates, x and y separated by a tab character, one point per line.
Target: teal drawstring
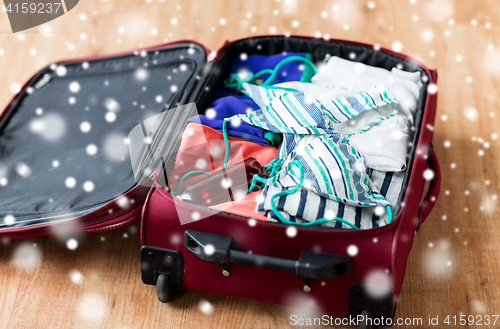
194	172
256	178
224	164
389	214
236	80
226	144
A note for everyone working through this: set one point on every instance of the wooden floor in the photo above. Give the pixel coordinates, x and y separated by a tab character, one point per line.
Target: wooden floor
454	267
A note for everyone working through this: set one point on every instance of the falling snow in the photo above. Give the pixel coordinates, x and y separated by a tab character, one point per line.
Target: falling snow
205	307
91	149
291	231
70	182
76	277
85	127
26	256
209	249
88	186
9	220
471	113
115	147
74	87
92	308
352	250
397	46
23	170
123	202
61	70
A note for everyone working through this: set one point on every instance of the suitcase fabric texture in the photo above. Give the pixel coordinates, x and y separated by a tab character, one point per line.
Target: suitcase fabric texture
49	176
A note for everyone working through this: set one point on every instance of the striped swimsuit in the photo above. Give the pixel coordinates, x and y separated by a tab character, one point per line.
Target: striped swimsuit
332	169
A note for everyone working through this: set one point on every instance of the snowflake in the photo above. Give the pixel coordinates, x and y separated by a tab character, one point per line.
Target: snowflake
72	244
291	231
88	186
15	87
92	308
352	250
26	256
206	307
91	149
76	277
209	250
85	126
427	35
397	46
23	170
70	182
9	220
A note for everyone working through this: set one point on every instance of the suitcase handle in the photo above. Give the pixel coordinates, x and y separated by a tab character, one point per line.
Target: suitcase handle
311	265
434	187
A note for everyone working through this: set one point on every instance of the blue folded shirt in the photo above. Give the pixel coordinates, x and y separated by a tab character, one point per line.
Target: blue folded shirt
227	107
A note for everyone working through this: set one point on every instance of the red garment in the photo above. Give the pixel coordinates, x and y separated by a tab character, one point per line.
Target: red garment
202	148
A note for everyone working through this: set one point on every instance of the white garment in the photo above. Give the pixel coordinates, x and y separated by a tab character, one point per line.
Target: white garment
384	146
342	73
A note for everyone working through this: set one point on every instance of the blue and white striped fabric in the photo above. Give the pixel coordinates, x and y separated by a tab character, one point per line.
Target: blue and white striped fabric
310	111
308	206
333	169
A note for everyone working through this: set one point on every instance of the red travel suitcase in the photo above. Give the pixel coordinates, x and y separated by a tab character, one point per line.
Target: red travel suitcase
259	261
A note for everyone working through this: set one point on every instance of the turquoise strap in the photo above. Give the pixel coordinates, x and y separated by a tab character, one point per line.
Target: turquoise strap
226	143
389	214
194	172
236	80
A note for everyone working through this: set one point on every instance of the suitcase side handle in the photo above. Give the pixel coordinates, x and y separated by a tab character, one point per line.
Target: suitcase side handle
311	265
435	185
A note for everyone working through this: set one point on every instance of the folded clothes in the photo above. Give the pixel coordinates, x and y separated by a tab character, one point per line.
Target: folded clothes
384	146
349	118
227	107
293	71
308	206
202	149
328	165
342	73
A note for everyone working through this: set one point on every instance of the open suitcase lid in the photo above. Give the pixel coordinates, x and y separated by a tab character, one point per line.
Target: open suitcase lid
64	154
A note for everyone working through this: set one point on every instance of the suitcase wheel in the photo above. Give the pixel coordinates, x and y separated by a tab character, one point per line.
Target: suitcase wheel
365	325
164	289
